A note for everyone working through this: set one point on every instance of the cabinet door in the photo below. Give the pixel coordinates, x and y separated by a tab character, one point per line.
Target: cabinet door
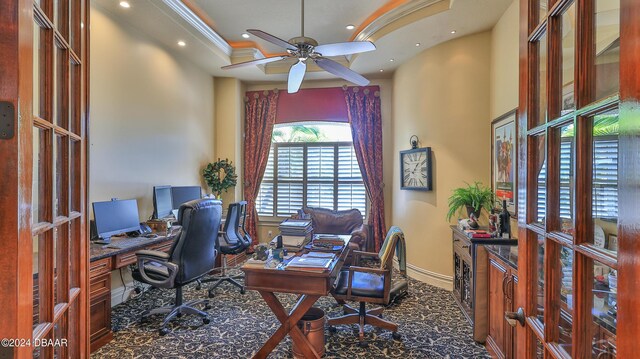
457	276
498	277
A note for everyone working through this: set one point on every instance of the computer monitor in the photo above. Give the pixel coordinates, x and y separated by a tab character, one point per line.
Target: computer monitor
162	204
115	217
184	194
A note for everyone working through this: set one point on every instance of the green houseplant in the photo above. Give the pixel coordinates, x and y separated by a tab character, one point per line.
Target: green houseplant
220	176
472	197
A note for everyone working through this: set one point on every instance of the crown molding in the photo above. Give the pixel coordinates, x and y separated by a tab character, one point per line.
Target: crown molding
400	16
188	15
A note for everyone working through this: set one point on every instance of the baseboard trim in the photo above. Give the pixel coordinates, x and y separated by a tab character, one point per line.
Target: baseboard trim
429	277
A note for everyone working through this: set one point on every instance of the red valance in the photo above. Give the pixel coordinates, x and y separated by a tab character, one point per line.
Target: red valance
317	104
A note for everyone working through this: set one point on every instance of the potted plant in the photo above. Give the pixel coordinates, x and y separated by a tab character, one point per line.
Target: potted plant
220	176
473	197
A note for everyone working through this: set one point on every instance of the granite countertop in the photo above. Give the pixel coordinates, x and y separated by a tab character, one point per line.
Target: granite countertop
100	251
507	252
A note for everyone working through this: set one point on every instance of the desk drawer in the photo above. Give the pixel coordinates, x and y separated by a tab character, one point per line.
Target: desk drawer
125	259
99	267
100	285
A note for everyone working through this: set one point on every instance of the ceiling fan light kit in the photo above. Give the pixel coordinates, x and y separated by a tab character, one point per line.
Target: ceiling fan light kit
304	48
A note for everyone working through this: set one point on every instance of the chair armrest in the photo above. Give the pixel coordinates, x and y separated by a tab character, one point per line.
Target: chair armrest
160	258
359	235
358	254
153	255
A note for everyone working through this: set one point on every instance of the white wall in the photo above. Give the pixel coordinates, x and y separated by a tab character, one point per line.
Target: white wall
151	115
504	62
442	96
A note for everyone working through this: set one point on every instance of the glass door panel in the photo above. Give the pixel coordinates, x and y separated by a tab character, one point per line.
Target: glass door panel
604	310
542	99
540	279
566	180
607	48
568	35
566	300
540	151
604	152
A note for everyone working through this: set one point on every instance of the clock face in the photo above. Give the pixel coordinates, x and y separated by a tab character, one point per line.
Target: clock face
414	169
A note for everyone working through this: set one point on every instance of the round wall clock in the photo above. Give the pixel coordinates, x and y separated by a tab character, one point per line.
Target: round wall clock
415	169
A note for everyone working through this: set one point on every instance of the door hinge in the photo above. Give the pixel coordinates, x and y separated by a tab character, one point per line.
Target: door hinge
7	120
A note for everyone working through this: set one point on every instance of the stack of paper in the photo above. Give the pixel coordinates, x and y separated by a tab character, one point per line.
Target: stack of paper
310	264
296	233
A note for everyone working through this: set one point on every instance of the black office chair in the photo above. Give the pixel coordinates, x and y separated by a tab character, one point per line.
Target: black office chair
232	240
192	256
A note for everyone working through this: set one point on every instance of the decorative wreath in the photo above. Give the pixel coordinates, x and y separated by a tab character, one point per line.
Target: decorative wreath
220	176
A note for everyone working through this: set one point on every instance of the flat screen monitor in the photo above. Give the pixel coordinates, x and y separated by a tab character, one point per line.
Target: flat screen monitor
115	217
185	194
162	204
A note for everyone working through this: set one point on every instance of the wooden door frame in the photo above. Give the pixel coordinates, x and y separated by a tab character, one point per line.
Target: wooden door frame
16	71
16	241
628	319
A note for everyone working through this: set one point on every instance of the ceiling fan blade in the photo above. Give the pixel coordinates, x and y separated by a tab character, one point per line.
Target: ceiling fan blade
296	74
345	48
341	71
266	60
272	39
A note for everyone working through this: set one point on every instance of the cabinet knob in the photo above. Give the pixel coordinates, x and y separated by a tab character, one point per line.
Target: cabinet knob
515	317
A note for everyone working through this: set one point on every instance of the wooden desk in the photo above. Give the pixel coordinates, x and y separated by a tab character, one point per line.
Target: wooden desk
103	261
309	285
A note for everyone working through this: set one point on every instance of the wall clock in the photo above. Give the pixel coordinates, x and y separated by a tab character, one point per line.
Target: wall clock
415	169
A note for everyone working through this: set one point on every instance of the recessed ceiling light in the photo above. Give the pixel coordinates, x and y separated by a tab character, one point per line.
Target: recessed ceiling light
391	60
417	44
350	27
453	31
245	35
381	70
182	43
125	4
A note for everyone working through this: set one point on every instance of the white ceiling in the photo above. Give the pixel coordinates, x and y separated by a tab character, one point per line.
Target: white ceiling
325	21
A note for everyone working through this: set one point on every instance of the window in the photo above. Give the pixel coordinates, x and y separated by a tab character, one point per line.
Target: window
311	165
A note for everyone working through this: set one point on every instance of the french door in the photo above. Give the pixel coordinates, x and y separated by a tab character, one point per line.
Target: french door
44	242
579	165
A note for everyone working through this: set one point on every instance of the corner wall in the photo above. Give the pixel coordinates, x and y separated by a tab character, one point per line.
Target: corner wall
151	116
442	96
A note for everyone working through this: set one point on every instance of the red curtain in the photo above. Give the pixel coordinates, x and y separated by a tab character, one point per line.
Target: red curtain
260	116
363	110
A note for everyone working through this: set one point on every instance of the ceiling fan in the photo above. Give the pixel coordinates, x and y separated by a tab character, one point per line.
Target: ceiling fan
304	48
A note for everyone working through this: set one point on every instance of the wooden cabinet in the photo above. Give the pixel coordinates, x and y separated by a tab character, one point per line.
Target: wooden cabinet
470	282
100	306
503	282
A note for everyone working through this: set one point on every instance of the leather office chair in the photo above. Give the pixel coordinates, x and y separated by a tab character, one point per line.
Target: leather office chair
232	240
372	285
192	256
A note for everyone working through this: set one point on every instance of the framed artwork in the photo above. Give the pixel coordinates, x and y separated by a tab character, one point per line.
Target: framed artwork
504	135
415	169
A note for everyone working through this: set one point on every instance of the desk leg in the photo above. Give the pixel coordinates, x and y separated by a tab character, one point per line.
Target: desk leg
289	325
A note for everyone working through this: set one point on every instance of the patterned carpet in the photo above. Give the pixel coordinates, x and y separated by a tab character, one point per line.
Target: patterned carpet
430	322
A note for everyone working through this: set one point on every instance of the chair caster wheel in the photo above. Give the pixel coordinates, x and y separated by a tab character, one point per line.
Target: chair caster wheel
138	290
207	307
206	320
198	287
332	329
211	295
242	291
396	336
179	315
363	344
163	331
144	320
